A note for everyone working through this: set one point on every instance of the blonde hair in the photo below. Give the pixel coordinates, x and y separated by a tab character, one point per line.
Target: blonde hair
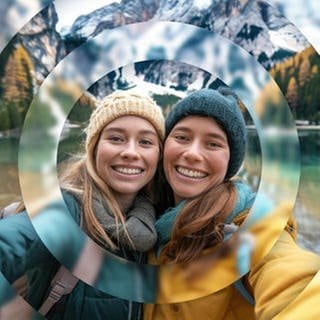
81	177
83	182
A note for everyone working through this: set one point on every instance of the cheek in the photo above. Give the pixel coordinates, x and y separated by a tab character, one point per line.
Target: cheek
99	153
99	164
168	156
153	159
221	162
168	153
165	160
103	154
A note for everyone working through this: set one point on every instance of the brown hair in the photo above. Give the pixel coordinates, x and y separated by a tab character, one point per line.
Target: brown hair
80	178
75	177
199	225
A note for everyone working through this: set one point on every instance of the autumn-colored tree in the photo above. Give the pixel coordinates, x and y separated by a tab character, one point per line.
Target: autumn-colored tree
292	94
17	84
304	72
314	70
303	93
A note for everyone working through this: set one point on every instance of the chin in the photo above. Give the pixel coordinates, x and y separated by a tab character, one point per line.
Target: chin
186	194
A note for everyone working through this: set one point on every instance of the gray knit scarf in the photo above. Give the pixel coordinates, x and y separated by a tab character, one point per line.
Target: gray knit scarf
139	224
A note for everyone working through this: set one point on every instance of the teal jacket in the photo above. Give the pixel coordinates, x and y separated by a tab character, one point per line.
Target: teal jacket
21	249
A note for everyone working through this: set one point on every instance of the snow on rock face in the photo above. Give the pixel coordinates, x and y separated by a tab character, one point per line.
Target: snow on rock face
253	25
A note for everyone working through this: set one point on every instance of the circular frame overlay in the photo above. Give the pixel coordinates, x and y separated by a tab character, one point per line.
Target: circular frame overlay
258	222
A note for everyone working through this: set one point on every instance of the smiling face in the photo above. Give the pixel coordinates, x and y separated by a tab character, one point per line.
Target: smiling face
196	156
127	155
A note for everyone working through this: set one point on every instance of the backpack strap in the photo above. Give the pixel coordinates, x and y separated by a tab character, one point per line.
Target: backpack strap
61	284
244	291
9	210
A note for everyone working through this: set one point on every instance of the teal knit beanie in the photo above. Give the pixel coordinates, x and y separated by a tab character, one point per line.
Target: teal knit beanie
221	105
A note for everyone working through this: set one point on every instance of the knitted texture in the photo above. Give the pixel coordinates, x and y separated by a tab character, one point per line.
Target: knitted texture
222	106
123	103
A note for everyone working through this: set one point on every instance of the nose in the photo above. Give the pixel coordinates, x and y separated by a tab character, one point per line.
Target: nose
193	152
130	151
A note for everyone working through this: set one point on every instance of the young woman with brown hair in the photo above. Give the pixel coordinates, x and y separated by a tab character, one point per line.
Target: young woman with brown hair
203	151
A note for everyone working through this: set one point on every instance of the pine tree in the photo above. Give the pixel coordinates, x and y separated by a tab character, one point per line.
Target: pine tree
4	116
82	109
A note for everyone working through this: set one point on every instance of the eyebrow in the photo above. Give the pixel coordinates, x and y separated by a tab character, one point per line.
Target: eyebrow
210	134
121	130
219	136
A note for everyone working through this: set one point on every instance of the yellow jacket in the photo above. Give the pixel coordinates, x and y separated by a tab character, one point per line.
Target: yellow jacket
283	280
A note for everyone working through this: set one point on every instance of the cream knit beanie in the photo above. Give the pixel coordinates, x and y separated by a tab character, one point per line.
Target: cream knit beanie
123	103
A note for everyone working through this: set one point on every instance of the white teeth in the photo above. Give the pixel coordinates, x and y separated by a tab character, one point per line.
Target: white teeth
128	170
191	173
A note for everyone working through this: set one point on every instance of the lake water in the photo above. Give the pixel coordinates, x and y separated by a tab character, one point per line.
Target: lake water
307	207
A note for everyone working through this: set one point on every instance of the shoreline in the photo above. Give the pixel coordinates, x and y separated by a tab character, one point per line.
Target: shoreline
310	127
15	133
300	127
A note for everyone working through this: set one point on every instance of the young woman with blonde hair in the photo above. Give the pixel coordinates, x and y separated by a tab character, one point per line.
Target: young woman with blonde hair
110	192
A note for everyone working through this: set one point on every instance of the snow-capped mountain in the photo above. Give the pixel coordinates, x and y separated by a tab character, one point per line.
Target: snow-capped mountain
253	25
42	41
14	14
304	14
